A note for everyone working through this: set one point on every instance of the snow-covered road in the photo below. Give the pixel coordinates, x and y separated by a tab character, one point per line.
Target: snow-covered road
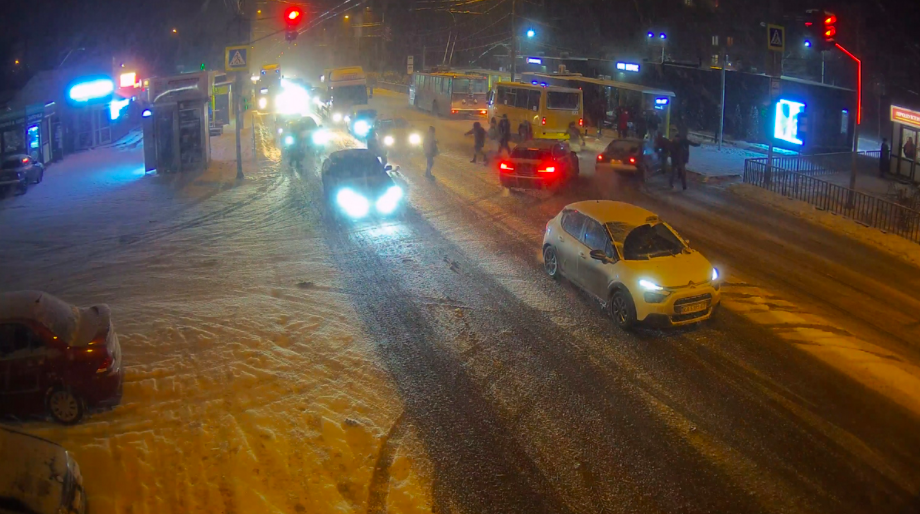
278	362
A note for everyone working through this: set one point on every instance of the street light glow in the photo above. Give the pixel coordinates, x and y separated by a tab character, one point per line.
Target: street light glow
662	36
531	33
807	44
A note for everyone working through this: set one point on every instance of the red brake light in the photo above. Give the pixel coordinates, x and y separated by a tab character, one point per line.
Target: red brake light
454	111
105	364
506	166
581	122
544	121
600	157
25	160
632	160
547	169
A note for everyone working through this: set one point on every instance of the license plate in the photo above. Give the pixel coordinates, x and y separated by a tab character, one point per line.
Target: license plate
690	308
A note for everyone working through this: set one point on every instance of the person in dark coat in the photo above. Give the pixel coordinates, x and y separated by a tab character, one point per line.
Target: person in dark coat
479	141
680	156
504	134
884	158
430	147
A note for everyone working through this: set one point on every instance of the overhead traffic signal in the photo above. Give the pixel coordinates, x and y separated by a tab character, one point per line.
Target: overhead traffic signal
821	26
293	16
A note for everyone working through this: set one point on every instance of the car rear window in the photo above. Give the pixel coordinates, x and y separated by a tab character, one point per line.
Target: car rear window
530	153
620	148
11	163
560	100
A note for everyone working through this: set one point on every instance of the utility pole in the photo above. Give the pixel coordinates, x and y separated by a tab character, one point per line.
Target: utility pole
513	40
237	103
722	103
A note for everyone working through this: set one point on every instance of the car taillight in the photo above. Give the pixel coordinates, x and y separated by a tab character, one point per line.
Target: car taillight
482	112
506	166
547	169
632	160
454	111
600	157
25	160
581	122
544	121
106	364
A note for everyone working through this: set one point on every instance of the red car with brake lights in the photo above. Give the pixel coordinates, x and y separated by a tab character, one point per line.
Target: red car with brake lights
538	164
56	358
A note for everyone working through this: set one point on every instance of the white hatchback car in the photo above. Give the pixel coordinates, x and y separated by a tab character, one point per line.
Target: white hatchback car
634	263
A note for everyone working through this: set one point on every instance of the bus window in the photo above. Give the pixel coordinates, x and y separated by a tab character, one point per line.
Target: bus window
521	98
534	99
506	96
562	100
445	85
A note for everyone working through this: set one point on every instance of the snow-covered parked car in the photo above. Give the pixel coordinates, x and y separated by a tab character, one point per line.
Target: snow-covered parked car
634	263
56	358
38	476
17	171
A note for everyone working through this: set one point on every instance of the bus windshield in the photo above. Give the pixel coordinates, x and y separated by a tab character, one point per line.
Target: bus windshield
561	100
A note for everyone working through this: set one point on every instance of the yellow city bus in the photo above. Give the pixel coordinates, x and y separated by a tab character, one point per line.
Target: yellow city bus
549	109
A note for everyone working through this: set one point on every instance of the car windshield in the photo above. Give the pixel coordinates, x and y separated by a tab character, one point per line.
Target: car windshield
650	241
364	166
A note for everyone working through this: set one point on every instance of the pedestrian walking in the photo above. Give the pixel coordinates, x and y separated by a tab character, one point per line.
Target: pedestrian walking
504	134
680	156
884	158
479	141
575	134
430	147
525	132
623	124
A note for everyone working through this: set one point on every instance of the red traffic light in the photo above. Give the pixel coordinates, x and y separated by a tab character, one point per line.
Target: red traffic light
829	19
829	33
293	16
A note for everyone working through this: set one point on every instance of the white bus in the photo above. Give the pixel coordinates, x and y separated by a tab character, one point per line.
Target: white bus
346	88
447	93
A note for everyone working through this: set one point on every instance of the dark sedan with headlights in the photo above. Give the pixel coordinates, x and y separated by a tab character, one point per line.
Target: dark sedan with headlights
395	134
357	185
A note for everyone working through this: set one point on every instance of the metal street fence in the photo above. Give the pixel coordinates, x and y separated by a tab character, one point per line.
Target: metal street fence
865	209
824	164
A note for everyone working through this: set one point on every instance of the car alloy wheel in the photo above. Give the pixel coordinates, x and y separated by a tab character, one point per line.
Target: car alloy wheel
550	262
65	407
622	310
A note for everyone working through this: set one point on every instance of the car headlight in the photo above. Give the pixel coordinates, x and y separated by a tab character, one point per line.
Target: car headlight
649	285
352	203
288	141
715	274
263	102
388	140
281	131
390	200
263	91
362	128
320	137
347	118
415	139
336	117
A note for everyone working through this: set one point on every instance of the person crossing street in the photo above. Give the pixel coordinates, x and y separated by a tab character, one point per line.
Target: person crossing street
479	141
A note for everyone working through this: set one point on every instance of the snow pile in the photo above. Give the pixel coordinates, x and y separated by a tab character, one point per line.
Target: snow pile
249	387
902	248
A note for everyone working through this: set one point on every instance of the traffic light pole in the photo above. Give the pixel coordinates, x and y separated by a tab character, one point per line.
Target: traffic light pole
237	103
513	41
858	117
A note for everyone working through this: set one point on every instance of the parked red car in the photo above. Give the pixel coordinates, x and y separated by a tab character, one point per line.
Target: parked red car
56	358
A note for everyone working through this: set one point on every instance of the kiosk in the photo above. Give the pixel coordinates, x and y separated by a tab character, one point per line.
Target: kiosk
176	123
905	136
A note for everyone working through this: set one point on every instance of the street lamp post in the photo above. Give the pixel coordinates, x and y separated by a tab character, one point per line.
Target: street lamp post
513	40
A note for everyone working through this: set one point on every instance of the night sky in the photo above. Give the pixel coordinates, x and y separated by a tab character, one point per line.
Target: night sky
41	33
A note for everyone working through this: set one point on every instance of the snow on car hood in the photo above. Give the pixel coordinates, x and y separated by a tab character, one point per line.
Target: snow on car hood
674	271
92	321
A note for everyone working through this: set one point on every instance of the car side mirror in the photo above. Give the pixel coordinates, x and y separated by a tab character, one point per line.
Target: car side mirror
387	168
599	255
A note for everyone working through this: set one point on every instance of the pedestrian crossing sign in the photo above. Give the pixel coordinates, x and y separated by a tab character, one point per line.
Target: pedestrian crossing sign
236	58
776	38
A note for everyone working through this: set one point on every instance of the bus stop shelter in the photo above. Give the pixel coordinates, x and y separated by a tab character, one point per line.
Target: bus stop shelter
613	95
